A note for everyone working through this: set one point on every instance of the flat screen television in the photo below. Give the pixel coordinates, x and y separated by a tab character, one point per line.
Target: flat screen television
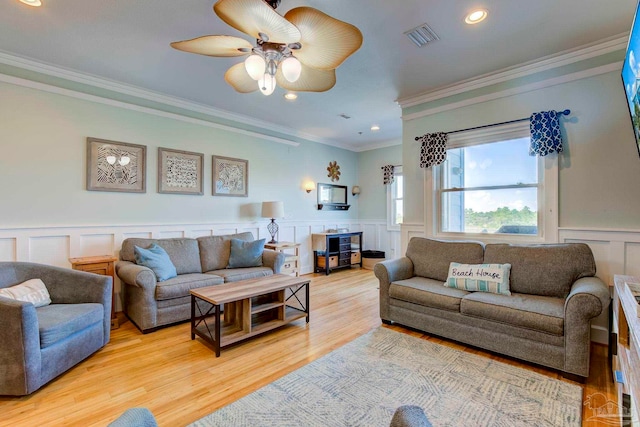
631	76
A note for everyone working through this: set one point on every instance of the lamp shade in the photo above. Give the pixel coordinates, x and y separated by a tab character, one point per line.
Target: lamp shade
272	209
254	64
291	69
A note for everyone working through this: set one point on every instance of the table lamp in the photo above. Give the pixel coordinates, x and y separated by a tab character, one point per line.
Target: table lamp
272	210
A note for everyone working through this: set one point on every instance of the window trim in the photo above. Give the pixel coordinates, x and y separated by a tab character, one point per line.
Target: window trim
547	195
397	170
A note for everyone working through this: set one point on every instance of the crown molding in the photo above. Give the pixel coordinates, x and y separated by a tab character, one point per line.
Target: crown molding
7	58
611	44
383	144
603	69
17	81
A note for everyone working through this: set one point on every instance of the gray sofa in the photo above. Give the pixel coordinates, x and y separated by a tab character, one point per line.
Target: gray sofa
38	344
546	319
199	262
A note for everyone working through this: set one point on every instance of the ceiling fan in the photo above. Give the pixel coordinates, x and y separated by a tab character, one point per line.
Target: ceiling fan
300	50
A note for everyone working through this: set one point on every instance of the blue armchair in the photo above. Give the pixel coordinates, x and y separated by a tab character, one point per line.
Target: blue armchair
38	344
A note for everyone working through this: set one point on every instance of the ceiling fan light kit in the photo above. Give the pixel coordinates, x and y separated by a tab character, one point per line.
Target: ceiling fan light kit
320	43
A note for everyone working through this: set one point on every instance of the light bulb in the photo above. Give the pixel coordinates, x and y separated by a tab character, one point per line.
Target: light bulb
254	64
111	160
267	84
291	69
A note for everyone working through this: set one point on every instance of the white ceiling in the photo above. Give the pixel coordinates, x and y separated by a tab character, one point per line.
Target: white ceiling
128	42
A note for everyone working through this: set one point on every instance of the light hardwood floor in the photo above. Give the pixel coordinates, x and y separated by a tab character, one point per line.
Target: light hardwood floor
181	380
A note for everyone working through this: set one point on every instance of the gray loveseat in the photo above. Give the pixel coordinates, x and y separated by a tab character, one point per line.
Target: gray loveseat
546	319
199	262
38	344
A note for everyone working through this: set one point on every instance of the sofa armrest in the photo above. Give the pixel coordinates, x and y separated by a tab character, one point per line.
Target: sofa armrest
588	298
136	275
388	272
273	259
20	359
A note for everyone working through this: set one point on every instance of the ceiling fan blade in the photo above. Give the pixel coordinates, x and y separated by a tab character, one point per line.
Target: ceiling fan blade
215	46
311	80
254	17
238	79
326	41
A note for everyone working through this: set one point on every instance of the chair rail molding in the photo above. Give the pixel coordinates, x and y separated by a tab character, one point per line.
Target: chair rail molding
54	245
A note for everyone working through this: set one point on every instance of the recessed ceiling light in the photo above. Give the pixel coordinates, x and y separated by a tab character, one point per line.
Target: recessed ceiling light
290	96
476	16
375	128
34	3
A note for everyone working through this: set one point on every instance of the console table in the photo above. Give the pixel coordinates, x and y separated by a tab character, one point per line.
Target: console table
336	250
625	346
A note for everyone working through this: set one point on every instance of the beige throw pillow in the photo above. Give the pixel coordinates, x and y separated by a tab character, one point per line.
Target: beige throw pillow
33	291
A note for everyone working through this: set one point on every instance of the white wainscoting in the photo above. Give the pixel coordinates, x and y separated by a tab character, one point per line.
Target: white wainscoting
615	252
55	245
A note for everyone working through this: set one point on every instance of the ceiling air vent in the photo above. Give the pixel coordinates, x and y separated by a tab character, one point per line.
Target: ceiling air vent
422	35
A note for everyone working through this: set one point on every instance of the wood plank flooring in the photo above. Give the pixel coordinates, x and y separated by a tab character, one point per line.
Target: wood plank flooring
181	380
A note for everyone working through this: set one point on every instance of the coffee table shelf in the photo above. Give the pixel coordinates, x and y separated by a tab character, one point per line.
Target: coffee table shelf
251	307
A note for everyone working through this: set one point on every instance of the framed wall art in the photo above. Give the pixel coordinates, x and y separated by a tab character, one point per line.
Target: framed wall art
230	177
116	166
180	172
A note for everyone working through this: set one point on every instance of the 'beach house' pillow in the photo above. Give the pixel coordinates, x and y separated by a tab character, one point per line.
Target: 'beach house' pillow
157	260
492	278
246	254
33	291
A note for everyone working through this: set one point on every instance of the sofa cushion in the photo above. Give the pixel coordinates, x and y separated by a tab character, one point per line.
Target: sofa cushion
157	260
547	270
236	274
33	291
431	258
492	278
180	285
184	252
59	321
246	254
215	250
427	292
545	314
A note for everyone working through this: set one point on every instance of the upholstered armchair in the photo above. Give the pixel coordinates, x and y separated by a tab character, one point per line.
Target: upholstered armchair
38	344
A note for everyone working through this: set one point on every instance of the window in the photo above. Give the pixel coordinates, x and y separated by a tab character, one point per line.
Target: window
395	194
489	185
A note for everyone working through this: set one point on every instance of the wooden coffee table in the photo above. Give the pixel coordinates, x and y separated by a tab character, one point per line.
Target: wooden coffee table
251	307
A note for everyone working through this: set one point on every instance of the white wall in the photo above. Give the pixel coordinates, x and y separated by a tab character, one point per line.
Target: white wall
42	167
47	216
372	202
599	173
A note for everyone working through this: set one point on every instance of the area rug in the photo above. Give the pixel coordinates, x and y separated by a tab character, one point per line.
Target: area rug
363	382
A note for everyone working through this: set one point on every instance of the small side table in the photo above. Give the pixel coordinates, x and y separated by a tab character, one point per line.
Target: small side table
104	265
292	260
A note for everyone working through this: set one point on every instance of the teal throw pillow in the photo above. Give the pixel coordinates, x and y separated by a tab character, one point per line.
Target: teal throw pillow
157	260
492	278
246	254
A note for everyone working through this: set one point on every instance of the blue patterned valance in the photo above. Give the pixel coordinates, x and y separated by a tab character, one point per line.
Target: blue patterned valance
546	137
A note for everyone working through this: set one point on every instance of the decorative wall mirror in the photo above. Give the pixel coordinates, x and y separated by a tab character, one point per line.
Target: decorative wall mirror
332	197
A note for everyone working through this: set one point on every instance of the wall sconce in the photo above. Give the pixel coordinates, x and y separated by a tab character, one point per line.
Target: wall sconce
309	187
355	190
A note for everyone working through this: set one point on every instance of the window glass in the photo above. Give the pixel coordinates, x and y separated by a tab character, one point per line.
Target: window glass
395	205
490	188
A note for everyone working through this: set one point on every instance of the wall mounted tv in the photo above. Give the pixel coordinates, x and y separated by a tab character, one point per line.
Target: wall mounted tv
631	76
